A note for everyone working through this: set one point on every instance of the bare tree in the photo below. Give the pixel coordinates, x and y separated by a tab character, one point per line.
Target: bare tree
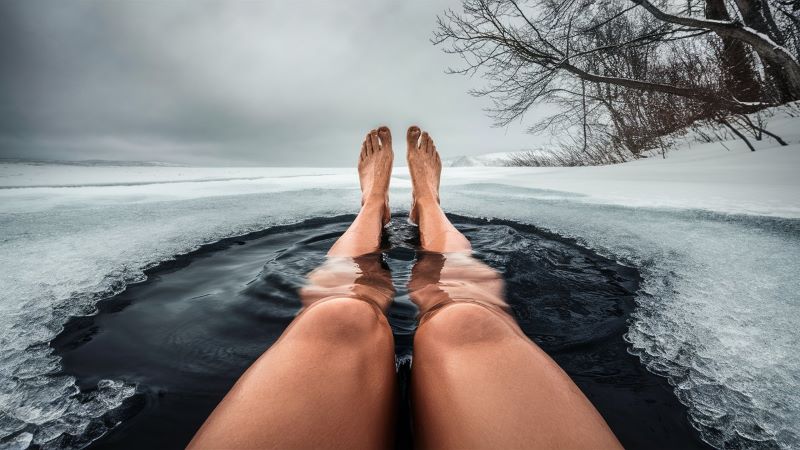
626	72
524	57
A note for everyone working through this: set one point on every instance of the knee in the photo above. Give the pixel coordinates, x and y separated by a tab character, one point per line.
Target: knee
342	320
463	324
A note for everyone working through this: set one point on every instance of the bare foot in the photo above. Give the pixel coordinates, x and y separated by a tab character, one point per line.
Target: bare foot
375	168
425	167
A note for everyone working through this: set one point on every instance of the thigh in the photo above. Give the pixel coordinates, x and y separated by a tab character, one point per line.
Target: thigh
329	382
478	382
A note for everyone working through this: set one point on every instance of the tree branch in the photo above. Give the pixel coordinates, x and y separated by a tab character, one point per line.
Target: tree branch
691	93
760	42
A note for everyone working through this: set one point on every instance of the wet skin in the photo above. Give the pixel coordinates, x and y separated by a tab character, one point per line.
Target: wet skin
478	381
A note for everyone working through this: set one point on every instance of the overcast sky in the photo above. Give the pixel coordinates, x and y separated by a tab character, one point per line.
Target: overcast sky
231	83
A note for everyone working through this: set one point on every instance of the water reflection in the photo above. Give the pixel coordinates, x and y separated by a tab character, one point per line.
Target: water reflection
365	277
438	279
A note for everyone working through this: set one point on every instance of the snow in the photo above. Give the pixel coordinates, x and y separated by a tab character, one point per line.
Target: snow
714	231
705	177
719	176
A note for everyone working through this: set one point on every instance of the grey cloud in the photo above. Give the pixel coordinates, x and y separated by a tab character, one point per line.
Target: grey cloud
213	82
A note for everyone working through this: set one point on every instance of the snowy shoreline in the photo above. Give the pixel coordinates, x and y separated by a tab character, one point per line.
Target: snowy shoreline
704	177
714	232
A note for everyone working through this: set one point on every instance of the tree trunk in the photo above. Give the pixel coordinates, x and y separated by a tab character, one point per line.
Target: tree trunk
757	15
738	74
768	50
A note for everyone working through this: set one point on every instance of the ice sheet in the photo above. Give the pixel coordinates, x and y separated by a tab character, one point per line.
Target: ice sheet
715	233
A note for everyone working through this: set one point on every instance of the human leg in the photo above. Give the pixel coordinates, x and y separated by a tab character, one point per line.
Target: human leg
329	381
477	380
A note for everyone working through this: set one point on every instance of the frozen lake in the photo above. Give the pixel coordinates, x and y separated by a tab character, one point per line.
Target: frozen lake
716	311
186	334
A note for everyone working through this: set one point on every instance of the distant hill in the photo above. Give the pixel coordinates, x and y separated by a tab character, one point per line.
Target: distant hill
494	159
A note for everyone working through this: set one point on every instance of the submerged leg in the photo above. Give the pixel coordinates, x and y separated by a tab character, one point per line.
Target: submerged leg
329	381
478	381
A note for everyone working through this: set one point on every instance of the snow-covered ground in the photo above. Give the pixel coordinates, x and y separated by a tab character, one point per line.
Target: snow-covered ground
715	232
707	177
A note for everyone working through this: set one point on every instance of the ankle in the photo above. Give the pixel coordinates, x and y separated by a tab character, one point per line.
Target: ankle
377	207
426	199
427	207
374	201
424	205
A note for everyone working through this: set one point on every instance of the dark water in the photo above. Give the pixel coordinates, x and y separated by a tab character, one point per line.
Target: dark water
187	333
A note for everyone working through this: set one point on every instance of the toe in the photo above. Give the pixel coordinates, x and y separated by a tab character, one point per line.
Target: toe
363	151
368	145
373	138
385	136
413	136
425	142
